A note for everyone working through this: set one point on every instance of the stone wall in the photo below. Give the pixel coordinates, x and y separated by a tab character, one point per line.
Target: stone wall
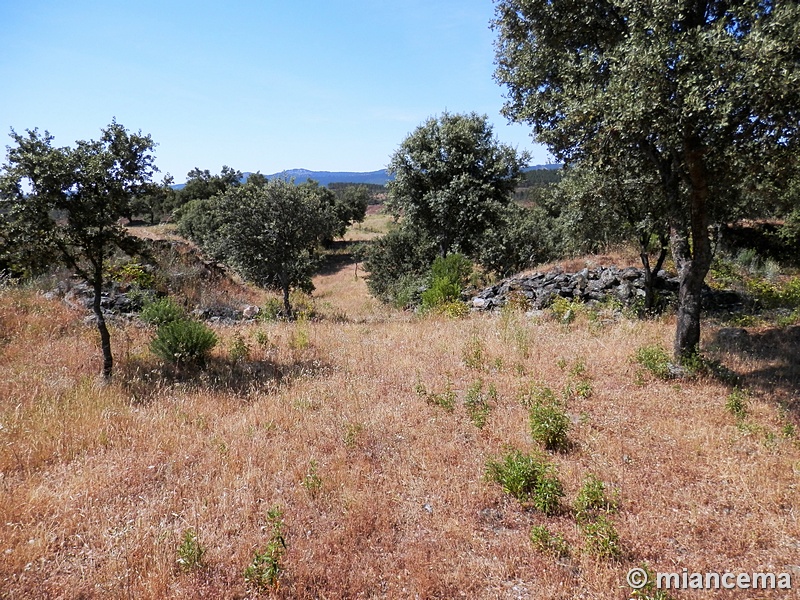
592	285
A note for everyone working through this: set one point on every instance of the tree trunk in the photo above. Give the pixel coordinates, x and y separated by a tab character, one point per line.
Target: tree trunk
105	338
287	306
650	274
692	263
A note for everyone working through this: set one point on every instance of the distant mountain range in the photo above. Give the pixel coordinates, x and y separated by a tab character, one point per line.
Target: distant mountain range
327	177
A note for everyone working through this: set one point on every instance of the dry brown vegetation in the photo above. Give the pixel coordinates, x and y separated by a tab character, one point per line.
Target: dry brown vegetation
98	483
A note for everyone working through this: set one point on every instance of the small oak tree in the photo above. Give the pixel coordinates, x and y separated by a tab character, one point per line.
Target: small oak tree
269	231
452	178
65	203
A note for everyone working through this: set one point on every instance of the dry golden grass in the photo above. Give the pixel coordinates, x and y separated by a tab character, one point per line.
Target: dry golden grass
98	483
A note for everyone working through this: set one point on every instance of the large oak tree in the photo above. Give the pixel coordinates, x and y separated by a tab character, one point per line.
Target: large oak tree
701	95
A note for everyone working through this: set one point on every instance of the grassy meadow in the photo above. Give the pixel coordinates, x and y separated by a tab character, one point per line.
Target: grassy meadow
345	452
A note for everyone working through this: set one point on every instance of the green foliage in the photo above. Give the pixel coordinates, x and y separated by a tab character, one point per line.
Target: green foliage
130	273
452	178
592	499
549	543
529	479
267	565
623	91
601	538
312	482
162	311
448	275
655	359
736	404
549	425
183	342
239	349
650	590
474	353
64	205
445	400
398	264
565	310
269	231
190	552
477	402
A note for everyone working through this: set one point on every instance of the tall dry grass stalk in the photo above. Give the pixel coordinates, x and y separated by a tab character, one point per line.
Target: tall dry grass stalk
99	483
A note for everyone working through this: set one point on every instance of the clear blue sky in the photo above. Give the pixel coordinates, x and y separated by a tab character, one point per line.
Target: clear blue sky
323	85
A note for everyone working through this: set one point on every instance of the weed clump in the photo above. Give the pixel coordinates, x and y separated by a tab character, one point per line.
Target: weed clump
549	543
266	567
190	552
655	360
530	479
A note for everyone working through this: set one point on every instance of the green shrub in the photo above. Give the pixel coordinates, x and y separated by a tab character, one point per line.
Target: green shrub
655	359
549	424
601	538
312	481
183	342
445	400
529	479
477	403
266	567
131	273
592	499
566	310
239	349
448	276
736	404
397	264
549	543
190	552
162	311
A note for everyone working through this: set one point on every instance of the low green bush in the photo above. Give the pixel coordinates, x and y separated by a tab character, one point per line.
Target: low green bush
529	479
183	342
162	311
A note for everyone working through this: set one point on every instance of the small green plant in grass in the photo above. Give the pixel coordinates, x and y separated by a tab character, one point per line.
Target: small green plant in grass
455	309
190	552
736	404
649	591
299	338
592	499
262	339
162	311
312	481
549	543
271	311
266	567
549	425
183	342
565	310
352	432
477	403
473	354
445	400
655	359
601	538
239	349
529	479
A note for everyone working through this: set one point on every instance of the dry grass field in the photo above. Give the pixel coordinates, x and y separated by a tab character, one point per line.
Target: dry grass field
382	493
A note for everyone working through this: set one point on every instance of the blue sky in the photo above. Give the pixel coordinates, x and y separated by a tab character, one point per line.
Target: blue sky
322	85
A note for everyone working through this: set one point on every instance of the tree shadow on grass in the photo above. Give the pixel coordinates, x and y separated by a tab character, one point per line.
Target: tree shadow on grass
146	379
340	254
776	352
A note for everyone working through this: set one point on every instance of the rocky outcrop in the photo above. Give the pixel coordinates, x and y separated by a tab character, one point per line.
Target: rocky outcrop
600	284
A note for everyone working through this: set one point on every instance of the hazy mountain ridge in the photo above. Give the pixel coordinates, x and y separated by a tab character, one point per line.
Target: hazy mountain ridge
380	177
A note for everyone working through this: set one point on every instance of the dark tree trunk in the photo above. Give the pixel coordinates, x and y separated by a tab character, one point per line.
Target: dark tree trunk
650	274
105	338
287	306
692	262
